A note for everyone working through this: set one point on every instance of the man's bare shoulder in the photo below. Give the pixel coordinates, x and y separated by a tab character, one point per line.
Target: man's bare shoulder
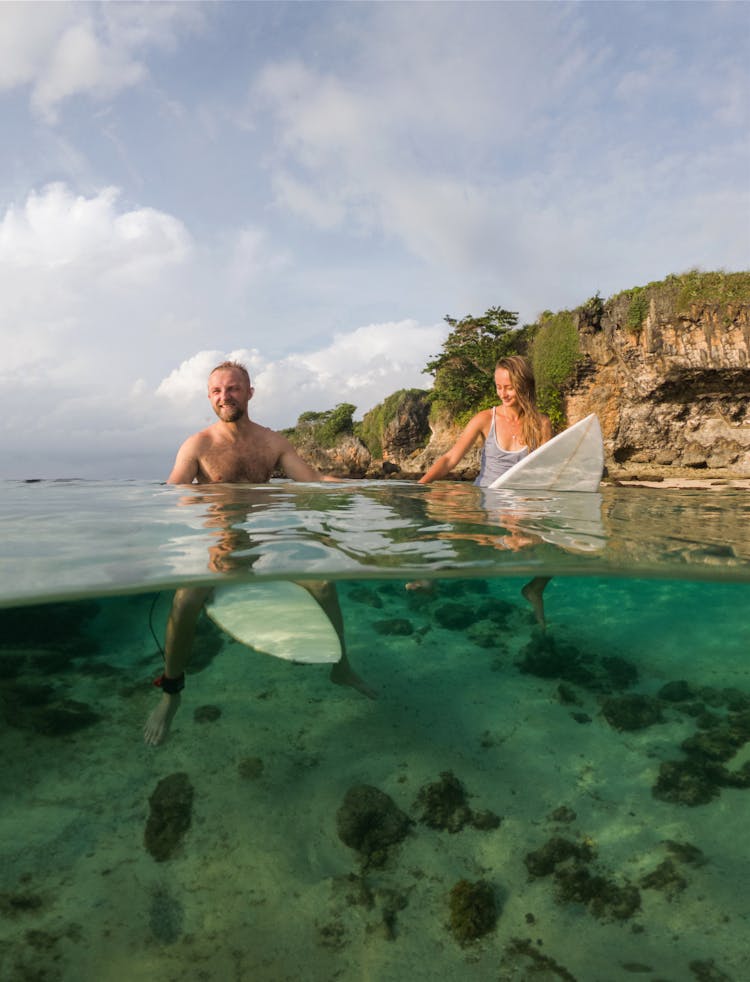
203	438
271	437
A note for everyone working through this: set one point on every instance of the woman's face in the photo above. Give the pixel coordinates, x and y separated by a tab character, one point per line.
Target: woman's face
504	387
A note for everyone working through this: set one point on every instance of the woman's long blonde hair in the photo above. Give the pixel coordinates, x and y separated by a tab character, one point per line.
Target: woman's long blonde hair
522	379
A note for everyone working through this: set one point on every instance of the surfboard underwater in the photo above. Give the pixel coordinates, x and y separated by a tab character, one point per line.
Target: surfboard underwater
571	461
277	618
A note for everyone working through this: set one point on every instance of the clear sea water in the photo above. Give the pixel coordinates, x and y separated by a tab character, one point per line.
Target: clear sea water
560	804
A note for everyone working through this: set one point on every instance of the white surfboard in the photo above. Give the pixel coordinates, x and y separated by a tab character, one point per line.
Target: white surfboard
571	461
278	618
569	519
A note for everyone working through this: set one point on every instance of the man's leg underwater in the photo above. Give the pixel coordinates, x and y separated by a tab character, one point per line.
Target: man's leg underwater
186	607
341	672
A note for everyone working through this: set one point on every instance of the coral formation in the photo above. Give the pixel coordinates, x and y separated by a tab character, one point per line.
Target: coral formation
548	658
634	711
442	805
566	861
473	910
370	822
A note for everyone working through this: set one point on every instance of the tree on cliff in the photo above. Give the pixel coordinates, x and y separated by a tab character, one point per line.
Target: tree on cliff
323	428
464	370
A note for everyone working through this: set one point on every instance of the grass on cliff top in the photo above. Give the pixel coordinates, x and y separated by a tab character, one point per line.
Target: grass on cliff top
694	287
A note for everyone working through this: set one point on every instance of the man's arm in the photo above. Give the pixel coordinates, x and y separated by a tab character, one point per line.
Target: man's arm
293	465
185	468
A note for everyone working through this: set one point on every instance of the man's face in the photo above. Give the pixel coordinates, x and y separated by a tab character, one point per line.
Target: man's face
229	394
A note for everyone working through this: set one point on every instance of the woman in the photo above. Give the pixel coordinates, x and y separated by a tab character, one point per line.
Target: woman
510	431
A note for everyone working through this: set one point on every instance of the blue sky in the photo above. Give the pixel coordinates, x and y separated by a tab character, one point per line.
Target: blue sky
313	186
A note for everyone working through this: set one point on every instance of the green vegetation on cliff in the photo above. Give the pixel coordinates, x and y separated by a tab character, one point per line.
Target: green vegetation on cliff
678	292
324	428
555	352
372	429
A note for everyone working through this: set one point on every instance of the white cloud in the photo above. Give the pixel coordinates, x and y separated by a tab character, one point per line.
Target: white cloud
60	50
55	228
361	366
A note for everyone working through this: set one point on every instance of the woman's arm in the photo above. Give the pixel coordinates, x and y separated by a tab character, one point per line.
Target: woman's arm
445	464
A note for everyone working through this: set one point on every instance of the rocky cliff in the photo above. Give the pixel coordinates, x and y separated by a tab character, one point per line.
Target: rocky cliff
666	368
673	393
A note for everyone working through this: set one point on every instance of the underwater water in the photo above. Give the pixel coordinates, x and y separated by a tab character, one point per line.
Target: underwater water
515	804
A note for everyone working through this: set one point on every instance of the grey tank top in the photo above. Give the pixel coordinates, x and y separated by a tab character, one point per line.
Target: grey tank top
496	461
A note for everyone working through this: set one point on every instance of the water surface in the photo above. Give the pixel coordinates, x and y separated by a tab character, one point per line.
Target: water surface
603	763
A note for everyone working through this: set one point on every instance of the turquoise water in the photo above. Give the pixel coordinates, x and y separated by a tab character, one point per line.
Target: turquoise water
580	794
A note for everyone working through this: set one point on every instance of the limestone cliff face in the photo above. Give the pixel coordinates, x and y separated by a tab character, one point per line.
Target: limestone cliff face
671	396
350	458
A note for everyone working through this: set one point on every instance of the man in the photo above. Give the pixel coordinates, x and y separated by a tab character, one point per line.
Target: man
233	450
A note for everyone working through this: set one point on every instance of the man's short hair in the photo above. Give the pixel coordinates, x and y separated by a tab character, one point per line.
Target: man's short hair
232	364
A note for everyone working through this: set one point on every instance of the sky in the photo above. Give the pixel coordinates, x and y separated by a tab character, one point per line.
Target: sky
313	187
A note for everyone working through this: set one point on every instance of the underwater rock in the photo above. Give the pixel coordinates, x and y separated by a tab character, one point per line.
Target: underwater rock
370	822
575	883
170	815
563	814
485	821
496	611
547	659
37	708
666	877
688	782
250	768
603	897
711	696
694	709
332	935
65	717
708	721
16	904
678	691
483	633
686	852
736	701
399	626
632	712
716	744
455	617
706	971
473	910
443	804
543	861
365	595
206	714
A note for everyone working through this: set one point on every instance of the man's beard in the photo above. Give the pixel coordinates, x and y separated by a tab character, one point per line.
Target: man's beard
229	414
